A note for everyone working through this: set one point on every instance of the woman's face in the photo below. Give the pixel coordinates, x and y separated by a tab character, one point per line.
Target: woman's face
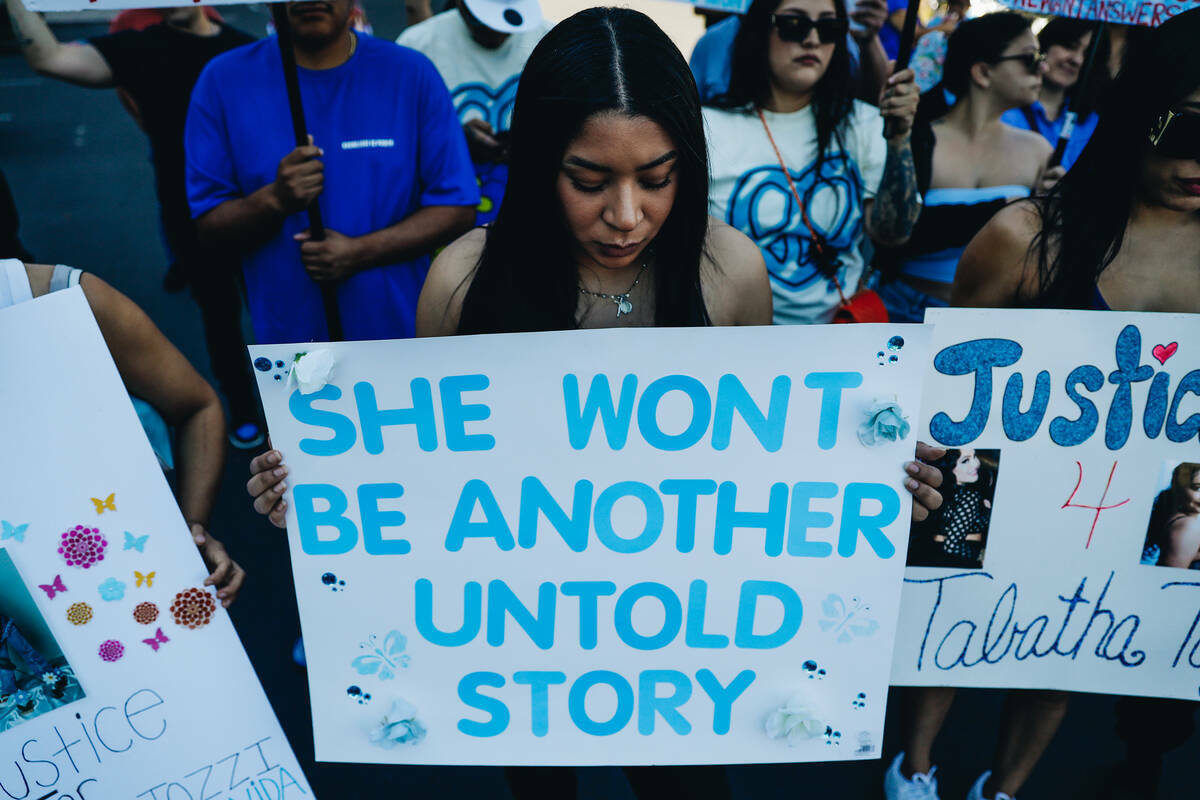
617	184
966	468
1174	182
1011	79
797	67
1064	63
1188	498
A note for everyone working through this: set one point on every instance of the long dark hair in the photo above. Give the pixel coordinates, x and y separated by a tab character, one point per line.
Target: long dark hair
597	61
1085	215
980	40
750	77
1067	32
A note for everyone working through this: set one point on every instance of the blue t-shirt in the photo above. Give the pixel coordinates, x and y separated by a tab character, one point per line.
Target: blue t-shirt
1050	129
889	35
712	58
392	146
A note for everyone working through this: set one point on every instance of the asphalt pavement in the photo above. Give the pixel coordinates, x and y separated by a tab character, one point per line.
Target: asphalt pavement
80	173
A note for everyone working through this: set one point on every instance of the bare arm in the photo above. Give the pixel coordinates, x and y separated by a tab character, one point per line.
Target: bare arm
737	290
440	305
891	216
873	67
997	269
244	223
1183	543
76	63
153	369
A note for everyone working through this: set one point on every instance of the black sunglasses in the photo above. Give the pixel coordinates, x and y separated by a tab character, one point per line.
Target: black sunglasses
1032	61
1177	135
796	27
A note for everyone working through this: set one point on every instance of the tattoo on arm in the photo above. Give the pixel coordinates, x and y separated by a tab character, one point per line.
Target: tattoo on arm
896	206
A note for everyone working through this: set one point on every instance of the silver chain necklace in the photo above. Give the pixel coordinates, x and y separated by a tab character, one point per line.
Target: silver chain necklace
624	306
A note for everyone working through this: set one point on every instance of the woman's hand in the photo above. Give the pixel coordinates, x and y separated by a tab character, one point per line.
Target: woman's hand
267	484
924	481
899	104
223	572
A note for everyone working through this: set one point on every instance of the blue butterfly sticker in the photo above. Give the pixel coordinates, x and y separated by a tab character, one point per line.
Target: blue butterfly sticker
382	661
846	623
10	531
135	542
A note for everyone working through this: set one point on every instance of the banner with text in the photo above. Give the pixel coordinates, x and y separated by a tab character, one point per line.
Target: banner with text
1062	555
121	678
1150	13
599	547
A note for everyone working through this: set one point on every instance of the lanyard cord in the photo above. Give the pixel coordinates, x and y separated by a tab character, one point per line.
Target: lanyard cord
817	241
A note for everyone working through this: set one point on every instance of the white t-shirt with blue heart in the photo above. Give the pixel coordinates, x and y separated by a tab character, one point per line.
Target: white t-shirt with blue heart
749	192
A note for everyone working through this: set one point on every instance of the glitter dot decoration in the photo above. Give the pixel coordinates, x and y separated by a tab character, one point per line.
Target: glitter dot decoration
79	614
262	364
111	650
193	608
145	613
82	546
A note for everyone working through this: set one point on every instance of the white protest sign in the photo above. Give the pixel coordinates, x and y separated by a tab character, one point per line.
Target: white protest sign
120	676
598	547
1068	428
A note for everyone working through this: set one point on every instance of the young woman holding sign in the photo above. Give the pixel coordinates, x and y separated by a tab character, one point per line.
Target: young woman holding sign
605	225
1120	231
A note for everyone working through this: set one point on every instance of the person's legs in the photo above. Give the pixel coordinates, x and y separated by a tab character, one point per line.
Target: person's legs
541	783
926	708
1030	720
701	782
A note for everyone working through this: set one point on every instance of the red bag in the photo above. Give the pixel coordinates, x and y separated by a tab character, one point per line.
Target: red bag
865	305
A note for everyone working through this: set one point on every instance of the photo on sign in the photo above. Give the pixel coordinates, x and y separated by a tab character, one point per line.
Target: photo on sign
955	536
1173	533
34	675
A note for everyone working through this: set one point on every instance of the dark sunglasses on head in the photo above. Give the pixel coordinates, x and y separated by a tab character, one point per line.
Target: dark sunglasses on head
1032	61
1177	135
796	27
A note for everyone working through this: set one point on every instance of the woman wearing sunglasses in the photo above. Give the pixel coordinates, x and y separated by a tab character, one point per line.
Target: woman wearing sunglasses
1120	231
978	164
801	167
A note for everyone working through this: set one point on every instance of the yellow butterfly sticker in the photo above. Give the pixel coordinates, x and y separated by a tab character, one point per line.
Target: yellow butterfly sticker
147	579
107	503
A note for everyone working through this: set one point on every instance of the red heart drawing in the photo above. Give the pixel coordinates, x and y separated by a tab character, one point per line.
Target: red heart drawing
1163	352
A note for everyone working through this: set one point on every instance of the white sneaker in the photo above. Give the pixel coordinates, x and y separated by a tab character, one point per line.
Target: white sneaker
976	792
921	786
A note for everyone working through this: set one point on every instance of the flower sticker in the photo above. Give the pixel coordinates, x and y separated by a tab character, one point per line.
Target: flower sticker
311	370
112	589
799	719
398	726
884	422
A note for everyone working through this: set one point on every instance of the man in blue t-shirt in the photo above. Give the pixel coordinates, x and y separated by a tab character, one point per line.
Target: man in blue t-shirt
387	163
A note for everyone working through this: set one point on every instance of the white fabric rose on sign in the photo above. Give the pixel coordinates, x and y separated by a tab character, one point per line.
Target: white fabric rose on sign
800	718
398	726
311	370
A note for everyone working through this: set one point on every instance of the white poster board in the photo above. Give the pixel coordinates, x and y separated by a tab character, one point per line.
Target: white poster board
1087	417
598	547
134	683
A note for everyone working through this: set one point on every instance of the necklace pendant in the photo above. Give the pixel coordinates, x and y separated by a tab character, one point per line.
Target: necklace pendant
623	306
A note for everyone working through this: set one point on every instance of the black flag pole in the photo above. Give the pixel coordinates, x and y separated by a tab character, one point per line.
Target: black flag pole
1068	128
316	228
908	36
